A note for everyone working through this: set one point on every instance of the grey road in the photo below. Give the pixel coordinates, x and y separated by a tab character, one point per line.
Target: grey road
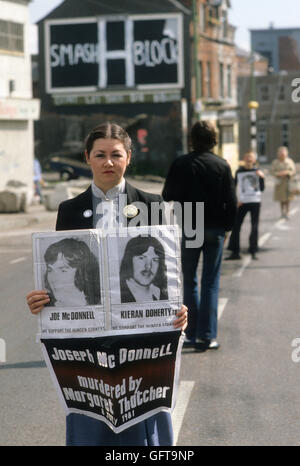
244	394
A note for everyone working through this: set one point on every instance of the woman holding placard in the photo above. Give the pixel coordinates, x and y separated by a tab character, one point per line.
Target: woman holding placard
108	153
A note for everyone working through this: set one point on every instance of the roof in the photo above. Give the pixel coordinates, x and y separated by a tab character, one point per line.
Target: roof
86	8
219	2
248	54
275	30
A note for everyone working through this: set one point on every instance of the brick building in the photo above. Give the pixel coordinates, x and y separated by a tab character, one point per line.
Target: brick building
216	94
248	63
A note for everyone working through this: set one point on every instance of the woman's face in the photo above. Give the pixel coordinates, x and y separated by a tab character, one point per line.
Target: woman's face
249	160
108	160
282	154
60	275
145	267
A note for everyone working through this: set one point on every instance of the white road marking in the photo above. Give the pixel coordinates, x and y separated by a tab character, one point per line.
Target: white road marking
221	306
263	239
16	261
185	389
283	227
293	211
280	225
183	395
2	351
240	271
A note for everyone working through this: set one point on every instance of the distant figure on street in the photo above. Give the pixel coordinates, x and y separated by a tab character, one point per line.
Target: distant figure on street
37	179
283	168
250	184
202	176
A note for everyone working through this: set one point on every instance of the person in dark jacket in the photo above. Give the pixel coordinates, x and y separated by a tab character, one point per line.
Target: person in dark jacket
250	184
203	177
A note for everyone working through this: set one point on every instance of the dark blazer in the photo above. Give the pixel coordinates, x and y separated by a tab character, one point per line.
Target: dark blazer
70	214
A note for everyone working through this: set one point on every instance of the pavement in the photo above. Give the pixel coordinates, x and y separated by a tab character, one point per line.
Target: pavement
15	221
38	214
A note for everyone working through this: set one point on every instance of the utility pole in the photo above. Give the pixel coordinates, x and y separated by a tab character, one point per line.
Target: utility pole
253	105
197	106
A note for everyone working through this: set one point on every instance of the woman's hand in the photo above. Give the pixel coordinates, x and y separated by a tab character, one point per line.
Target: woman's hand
260	173
181	321
36	300
282	174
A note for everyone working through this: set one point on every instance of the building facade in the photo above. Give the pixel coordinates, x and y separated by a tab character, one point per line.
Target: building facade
215	95
276	91
280	46
251	63
18	109
278	115
125	62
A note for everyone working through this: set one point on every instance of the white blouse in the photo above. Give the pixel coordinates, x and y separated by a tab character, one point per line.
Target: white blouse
106	206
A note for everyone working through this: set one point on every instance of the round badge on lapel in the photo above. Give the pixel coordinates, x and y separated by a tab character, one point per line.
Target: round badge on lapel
130	211
87	213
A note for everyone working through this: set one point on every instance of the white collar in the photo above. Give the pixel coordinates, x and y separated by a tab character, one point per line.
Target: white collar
111	193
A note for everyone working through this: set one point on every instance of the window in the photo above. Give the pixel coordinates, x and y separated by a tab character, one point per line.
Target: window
213	15
208	80
285	132
281	92
261	138
11	36
213	12
221	80
229	80
200	78
224	24
227	134
264	92
202	18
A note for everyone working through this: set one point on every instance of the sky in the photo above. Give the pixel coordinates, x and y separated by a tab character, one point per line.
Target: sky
244	14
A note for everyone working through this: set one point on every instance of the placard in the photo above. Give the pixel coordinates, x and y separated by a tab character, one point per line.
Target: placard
107	334
248	187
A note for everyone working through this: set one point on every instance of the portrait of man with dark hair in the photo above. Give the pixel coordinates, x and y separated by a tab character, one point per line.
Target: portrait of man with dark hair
72	274
143	274
250	183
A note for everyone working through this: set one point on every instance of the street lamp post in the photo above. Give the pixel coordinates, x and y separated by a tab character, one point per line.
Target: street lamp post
197	106
253	105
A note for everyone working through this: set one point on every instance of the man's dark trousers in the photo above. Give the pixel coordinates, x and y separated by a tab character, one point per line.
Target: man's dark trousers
203	311
234	243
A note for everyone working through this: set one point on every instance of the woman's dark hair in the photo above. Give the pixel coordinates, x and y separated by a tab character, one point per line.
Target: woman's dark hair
108	131
136	247
203	136
78	256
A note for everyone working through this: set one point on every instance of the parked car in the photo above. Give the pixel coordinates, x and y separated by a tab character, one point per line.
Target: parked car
70	165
